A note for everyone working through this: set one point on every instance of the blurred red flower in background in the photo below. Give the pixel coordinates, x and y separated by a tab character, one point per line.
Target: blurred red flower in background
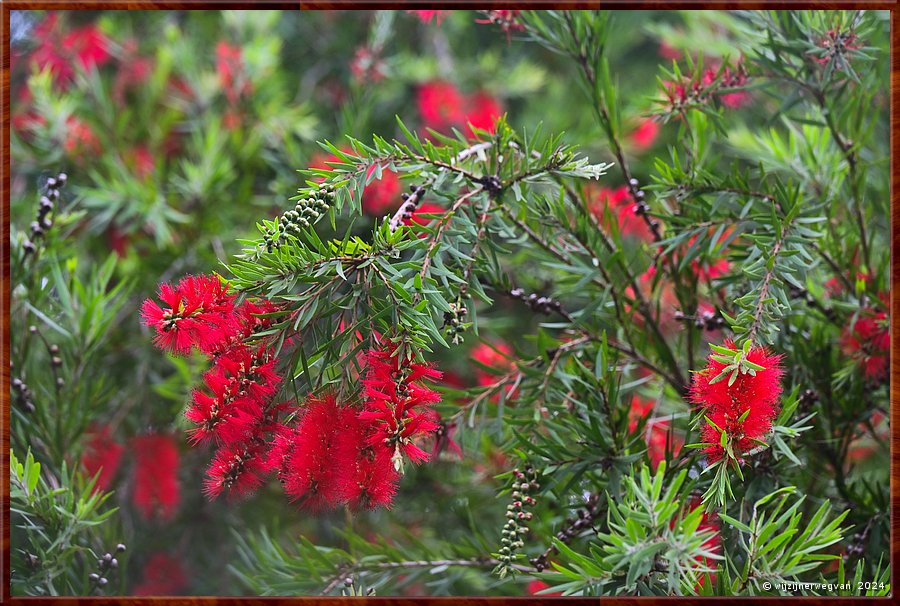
442	107
163	574
498	356
428	16
644	135
868	342
101	454
84	47
80	142
157	491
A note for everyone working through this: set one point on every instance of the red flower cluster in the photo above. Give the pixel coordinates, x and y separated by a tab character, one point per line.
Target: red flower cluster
428	16
710	521
85	47
237	412
681	93
326	460
743	409
442	107
622	210
157	491
508	21
101	454
498	355
367	67
163	574
836	42
198	313
398	403
868	342
536	586
644	135
656	435
80	141
234	79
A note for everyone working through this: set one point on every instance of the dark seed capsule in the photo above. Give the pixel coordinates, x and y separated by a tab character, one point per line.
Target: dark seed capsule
120	548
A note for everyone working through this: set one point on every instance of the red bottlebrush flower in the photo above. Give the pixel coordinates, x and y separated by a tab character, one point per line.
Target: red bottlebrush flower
745	409
498	355
660	439
426	208
101	454
622	211
163	574
711	270
230	66
536	586
133	71
482	112
198	312
868	342
382	196
397	404
640	408
156	487
238	469
710	522
80	141
835	43
443	439
729	79
367	67
242	382
667	51
440	105
85	47
427	16
644	135
141	161
508	21
325	460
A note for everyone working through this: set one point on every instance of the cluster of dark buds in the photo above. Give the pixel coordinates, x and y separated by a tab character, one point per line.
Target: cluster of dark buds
406	211
641	208
305	213
538	303
524	484
43	223
105	565
806	401
705	319
24	395
572	528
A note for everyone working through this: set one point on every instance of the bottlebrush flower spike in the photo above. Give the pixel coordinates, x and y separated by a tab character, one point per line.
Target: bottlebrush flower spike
103	455
397	403
868	342
739	392
238	469
156	487
198	312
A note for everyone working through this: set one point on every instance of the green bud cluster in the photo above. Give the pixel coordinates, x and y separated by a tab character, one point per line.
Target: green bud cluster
454	322
306	212
523	486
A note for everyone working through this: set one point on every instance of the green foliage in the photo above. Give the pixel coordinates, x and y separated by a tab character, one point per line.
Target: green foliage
53	523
